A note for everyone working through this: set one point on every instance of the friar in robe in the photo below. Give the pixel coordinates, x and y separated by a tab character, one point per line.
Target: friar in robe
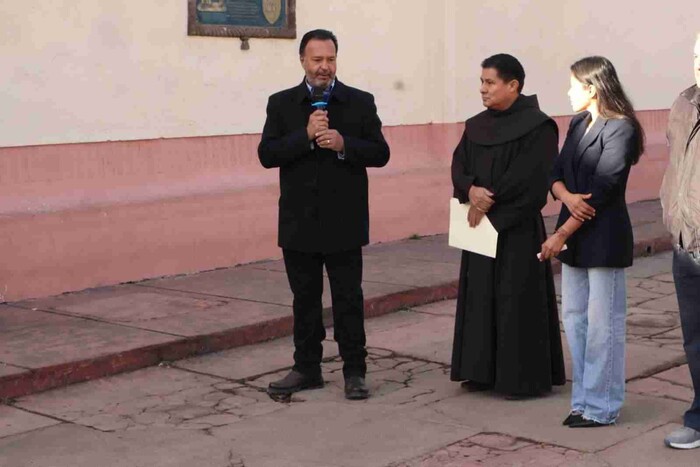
507	336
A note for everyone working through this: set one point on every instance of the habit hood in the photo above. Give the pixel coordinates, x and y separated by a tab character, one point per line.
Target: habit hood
493	127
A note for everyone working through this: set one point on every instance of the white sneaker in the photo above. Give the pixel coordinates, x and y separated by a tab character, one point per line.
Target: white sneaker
683	438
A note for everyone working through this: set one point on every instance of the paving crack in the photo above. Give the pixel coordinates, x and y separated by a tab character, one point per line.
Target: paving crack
669	365
68	314
622	441
204	294
234	460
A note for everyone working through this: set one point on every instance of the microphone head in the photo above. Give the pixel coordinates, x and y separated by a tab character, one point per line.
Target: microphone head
319	98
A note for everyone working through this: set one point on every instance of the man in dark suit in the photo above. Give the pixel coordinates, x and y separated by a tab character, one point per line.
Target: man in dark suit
322	155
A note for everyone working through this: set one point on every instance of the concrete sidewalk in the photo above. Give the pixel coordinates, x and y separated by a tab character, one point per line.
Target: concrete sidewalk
212	410
56	341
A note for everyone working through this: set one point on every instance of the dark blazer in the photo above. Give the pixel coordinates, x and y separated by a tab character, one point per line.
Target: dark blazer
323	205
598	162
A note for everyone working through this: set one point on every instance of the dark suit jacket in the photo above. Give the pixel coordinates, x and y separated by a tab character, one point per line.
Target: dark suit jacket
323	203
599	163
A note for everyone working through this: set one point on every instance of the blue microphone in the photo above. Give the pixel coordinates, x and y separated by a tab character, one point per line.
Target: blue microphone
319	98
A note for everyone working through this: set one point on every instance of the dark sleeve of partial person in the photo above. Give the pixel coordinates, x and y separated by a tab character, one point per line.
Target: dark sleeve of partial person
619	140
277	149
370	149
462	180
522	191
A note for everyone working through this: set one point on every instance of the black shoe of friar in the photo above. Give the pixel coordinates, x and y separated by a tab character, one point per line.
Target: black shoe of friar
474	386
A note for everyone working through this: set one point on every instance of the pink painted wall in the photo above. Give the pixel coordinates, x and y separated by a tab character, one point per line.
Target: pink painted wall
83	215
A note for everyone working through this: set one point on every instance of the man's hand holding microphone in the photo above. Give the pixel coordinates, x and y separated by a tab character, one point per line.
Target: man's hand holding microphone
317	129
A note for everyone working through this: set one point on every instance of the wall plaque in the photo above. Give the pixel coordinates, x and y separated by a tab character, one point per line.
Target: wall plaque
242	18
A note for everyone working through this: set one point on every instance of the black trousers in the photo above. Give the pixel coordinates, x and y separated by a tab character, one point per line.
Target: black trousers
305	274
686	275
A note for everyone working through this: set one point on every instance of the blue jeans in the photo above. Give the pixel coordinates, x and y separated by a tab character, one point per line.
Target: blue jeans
686	275
594	304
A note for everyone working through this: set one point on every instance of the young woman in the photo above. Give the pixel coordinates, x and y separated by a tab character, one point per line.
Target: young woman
590	177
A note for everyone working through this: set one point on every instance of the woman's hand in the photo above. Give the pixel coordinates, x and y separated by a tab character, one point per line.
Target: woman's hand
474	216
579	209
480	198
552	246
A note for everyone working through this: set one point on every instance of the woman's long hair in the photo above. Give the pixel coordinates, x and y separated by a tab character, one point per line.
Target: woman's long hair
612	100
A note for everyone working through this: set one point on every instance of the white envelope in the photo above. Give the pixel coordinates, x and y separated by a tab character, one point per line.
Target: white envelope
482	239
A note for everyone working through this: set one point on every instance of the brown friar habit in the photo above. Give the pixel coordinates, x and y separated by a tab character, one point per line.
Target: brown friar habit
507	327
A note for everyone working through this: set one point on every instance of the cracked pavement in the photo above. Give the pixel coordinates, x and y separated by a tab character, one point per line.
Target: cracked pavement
213	410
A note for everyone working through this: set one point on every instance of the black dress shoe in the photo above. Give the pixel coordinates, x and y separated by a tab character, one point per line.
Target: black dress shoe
586	423
356	388
294	382
572	418
473	386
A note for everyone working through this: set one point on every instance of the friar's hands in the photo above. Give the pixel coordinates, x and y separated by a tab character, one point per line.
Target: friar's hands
330	139
474	216
318	121
480	198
